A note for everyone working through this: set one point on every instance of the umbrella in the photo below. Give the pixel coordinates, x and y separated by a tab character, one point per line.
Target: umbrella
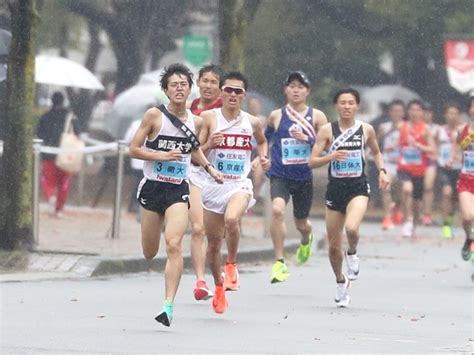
3	71
388	93
130	105
5	39
64	72
374	98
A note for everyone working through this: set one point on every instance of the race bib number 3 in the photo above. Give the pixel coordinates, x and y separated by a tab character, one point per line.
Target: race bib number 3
411	156
231	169
294	151
351	167
170	171
468	163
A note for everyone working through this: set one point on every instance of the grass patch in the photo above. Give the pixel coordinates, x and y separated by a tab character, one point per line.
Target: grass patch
16	260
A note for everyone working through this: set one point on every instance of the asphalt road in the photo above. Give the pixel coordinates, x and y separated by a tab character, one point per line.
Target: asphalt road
412	296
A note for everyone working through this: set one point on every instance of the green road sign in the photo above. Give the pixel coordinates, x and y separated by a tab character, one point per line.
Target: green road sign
196	49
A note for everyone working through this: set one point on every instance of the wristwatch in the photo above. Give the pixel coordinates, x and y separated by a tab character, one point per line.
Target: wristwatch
206	167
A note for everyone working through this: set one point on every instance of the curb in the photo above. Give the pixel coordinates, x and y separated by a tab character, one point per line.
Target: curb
110	266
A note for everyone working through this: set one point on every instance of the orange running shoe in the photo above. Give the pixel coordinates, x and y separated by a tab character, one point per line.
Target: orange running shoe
387	223
202	291
397	217
231	277
219	301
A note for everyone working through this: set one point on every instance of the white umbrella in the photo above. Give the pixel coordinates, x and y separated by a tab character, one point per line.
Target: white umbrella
65	72
5	40
388	93
130	105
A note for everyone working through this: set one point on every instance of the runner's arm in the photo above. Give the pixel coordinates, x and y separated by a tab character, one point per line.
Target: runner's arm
198	156
204	131
262	144
429	147
270	126
320	120
384	180
322	142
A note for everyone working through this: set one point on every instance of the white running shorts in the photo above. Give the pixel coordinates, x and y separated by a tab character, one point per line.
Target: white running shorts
215	197
198	176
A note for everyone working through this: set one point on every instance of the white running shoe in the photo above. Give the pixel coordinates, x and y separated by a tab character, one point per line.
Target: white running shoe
352	262
342	293
407	229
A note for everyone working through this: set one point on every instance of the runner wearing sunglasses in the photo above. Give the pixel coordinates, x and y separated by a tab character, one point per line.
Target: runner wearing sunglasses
229	131
209	89
347	194
166	141
291	130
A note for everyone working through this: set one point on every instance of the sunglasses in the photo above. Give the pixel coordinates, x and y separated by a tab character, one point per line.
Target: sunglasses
233	89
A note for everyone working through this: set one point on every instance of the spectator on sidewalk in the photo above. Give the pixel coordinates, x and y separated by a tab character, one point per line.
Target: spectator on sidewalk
54	181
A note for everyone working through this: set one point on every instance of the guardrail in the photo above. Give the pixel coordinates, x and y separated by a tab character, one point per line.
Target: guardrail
118	148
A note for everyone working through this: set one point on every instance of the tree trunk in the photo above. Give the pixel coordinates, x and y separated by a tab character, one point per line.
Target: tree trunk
16	228
83	102
234	18
130	62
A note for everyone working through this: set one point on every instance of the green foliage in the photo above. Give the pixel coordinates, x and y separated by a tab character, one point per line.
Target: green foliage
58	25
339	42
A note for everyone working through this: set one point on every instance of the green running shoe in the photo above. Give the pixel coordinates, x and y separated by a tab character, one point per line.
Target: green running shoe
279	272
166	316
304	251
447	232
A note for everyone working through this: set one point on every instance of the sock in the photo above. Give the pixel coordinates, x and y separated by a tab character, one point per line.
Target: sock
281	260
354	253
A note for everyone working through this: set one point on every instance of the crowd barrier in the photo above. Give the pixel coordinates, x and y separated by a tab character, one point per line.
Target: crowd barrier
118	148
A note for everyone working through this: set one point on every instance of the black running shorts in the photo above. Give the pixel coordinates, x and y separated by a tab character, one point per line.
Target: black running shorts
417	181
157	196
300	191
340	193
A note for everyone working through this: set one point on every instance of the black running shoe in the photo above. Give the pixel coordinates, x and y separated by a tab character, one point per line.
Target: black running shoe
163	319
466	252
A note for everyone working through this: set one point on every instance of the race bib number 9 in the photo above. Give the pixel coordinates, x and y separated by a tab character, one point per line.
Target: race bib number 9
351	167
294	151
411	156
468	163
170	171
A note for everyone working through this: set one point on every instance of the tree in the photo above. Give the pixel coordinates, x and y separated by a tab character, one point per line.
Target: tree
234	17
340	43
131	26
16	230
